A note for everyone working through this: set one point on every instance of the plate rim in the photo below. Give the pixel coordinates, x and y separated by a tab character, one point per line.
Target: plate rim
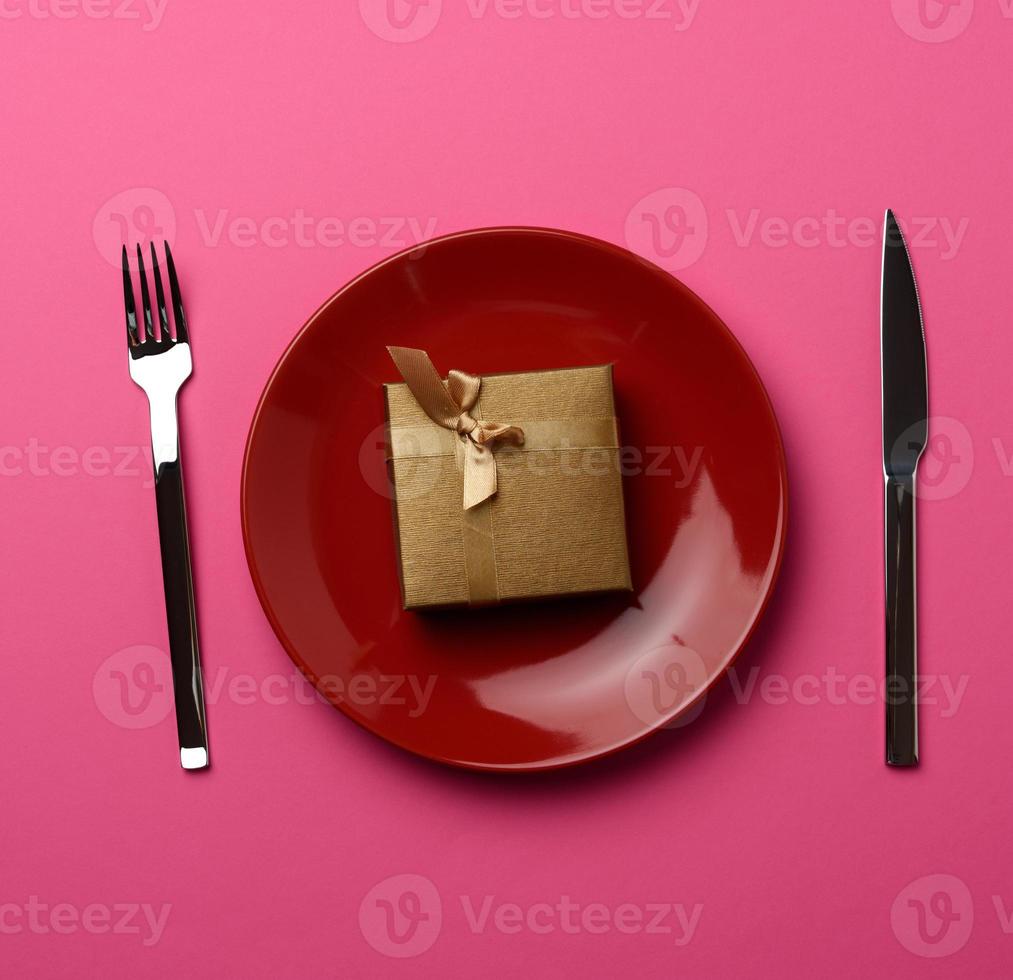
649	730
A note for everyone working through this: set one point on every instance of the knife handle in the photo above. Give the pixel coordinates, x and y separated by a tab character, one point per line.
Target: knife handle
901	624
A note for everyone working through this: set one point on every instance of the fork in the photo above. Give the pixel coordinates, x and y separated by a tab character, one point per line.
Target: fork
160	365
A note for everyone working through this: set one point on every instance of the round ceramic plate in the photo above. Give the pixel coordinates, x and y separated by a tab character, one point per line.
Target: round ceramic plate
524	686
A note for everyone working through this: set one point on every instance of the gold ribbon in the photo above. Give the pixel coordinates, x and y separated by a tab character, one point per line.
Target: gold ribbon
450	406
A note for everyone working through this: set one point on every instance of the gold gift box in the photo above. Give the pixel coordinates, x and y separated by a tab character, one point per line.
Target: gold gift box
555	525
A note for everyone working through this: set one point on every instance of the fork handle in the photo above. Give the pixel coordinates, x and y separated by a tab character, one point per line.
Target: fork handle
901	624
181	612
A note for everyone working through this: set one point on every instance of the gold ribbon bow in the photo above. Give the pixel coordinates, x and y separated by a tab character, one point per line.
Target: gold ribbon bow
450	406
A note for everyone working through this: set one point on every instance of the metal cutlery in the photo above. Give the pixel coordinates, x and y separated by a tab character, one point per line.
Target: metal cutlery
160	364
905	434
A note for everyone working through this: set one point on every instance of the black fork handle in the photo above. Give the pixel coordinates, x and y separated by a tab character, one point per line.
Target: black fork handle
901	624
181	612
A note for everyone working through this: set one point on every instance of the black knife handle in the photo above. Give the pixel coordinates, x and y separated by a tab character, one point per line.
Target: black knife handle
901	624
180	608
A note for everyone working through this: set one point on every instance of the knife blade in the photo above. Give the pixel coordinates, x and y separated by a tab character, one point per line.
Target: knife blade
905	434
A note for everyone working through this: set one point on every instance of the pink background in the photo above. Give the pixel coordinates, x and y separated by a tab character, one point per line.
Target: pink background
775	813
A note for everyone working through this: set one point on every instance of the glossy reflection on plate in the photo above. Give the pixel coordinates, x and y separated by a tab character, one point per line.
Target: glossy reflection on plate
537	685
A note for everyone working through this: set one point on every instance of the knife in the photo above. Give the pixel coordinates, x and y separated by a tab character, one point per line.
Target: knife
905	432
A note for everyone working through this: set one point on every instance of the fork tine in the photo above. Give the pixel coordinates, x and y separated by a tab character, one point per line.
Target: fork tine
182	336
163	315
145	297
128	299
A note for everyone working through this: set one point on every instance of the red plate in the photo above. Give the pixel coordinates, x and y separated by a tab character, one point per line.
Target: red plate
519	687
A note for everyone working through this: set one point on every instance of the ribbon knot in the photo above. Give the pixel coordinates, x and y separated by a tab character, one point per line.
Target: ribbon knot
450	406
